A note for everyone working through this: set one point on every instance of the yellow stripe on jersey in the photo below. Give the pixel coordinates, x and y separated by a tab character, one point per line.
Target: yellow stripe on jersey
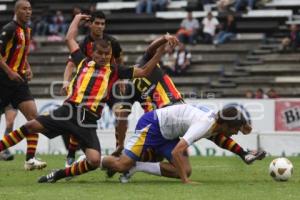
84	84
163	94
8	47
70	87
102	89
21	52
137	148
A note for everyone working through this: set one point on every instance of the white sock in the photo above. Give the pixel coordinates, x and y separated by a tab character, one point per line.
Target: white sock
147	167
102	157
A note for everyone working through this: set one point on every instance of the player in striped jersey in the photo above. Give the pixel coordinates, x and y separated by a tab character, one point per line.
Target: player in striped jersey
83	107
170	131
15	72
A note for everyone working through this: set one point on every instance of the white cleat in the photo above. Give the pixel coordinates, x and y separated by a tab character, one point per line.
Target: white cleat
34	163
124	178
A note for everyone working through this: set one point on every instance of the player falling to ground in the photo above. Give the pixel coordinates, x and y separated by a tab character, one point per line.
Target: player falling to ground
15	72
83	106
170	131
96	26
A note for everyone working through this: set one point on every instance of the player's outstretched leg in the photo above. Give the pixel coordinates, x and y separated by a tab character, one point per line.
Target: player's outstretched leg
91	163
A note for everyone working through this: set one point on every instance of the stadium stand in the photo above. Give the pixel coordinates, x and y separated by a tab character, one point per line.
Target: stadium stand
250	61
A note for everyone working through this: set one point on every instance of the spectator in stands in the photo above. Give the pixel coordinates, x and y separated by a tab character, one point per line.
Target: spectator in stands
58	24
260	94
42	23
210	24
183	59
240	4
188	29
228	31
249	94
92	9
293	40
161	5
144	6
272	94
224	5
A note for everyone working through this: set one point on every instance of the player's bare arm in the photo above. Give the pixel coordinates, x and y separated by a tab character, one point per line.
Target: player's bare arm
172	40
178	159
67	77
73	31
14	76
150	65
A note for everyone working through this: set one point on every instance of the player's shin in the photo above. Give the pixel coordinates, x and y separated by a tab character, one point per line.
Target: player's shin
13	138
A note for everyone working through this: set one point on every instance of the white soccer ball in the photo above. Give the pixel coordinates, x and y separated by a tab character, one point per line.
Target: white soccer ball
281	169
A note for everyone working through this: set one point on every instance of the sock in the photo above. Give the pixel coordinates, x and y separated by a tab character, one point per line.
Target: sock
73	145
76	169
227	143
13	138
147	167
32	140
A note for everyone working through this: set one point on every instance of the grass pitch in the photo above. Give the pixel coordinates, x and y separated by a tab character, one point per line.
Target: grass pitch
220	178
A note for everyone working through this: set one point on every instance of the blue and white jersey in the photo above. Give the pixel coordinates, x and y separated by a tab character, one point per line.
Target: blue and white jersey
187	121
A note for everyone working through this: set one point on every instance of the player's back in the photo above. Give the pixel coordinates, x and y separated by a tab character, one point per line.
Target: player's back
174	121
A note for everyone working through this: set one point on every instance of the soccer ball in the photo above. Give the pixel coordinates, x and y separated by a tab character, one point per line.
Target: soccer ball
281	169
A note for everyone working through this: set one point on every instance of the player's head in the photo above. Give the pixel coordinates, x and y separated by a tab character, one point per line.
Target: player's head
230	121
23	11
97	25
101	52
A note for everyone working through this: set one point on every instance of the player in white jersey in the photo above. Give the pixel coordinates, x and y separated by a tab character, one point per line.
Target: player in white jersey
170	131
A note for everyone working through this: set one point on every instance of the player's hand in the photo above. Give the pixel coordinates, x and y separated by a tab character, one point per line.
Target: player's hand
190	182
118	151
254	155
14	76
29	75
172	40
64	88
83	16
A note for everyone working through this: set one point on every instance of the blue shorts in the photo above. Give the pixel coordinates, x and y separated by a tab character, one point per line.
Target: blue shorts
148	142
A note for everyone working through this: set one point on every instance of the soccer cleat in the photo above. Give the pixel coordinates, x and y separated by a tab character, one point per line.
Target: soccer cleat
124	178
49	178
6	155
69	162
34	163
252	156
110	173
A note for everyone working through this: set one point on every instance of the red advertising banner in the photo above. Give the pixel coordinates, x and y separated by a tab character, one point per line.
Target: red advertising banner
287	115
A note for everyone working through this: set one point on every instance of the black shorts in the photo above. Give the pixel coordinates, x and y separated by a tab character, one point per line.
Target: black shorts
70	119
12	92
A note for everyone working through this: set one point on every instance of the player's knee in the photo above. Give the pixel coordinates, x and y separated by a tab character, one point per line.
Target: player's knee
94	161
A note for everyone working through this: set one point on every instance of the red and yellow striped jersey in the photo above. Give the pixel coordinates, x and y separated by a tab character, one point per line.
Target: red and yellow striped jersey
155	91
91	84
14	46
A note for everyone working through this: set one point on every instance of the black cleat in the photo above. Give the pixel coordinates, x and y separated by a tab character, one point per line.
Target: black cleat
110	173
49	178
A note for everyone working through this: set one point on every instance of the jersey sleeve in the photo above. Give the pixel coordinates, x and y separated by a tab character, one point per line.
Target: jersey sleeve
6	35
116	49
125	73
77	56
197	131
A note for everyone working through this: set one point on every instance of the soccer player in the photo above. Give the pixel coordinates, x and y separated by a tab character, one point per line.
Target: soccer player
170	131
15	72
82	108
10	116
96	27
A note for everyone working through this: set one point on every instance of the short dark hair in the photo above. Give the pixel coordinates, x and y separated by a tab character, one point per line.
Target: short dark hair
101	45
98	14
231	116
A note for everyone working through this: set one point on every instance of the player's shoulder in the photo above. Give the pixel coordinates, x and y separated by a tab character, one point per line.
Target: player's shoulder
11	26
110	38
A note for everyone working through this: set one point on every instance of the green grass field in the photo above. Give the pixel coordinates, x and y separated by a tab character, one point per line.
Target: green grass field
220	178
